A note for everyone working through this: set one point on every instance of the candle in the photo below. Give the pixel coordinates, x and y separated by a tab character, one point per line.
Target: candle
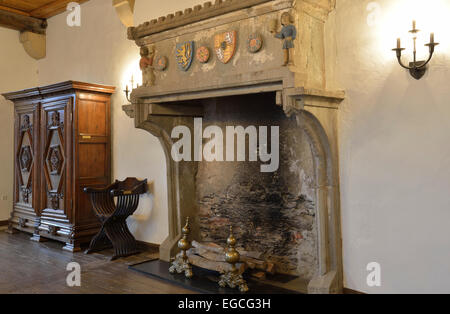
414	24
398	43
432	38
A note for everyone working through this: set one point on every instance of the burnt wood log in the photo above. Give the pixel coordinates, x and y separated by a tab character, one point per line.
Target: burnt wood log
210	255
216	253
220	257
221	267
220	250
113	216
22	23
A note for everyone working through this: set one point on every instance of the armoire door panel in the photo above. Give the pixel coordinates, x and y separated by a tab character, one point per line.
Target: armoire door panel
25	215
92	160
94	120
25	159
57	146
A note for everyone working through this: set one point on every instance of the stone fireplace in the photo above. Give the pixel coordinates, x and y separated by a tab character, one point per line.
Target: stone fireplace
291	215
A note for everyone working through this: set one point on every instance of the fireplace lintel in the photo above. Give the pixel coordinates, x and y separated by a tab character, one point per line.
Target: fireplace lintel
291	98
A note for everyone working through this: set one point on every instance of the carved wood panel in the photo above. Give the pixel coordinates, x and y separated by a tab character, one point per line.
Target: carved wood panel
25	157
55	143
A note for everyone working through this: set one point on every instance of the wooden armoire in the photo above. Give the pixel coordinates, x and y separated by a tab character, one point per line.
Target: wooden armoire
62	144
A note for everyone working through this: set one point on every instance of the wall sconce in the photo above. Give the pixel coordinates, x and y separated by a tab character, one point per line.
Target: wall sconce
127	91
416	68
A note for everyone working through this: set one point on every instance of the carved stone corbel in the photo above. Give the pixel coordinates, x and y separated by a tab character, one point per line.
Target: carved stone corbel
129	110
34	44
125	11
294	99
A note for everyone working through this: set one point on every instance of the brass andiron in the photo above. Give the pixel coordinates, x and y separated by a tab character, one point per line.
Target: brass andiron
181	263
232	278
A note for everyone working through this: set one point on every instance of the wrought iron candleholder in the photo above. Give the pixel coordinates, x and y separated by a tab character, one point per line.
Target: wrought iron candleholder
181	263
416	68
233	278
127	91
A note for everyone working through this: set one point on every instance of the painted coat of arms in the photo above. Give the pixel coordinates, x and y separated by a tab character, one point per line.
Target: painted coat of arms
185	54
225	46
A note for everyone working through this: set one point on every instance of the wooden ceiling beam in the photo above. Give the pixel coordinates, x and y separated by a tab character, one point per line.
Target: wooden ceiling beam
4	8
53	8
22	23
34	20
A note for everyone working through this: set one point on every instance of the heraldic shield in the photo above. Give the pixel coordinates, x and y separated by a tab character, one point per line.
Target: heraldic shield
225	46
185	54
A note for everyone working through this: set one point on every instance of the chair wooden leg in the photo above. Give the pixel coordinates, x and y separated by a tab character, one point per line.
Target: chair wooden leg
99	243
123	241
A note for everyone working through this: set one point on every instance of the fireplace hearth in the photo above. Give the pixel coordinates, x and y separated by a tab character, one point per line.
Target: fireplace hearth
292	215
206	281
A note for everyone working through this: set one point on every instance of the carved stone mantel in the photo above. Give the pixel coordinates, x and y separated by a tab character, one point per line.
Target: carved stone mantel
300	89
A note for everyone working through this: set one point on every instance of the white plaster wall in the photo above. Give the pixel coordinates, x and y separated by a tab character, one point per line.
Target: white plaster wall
17	71
395	157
